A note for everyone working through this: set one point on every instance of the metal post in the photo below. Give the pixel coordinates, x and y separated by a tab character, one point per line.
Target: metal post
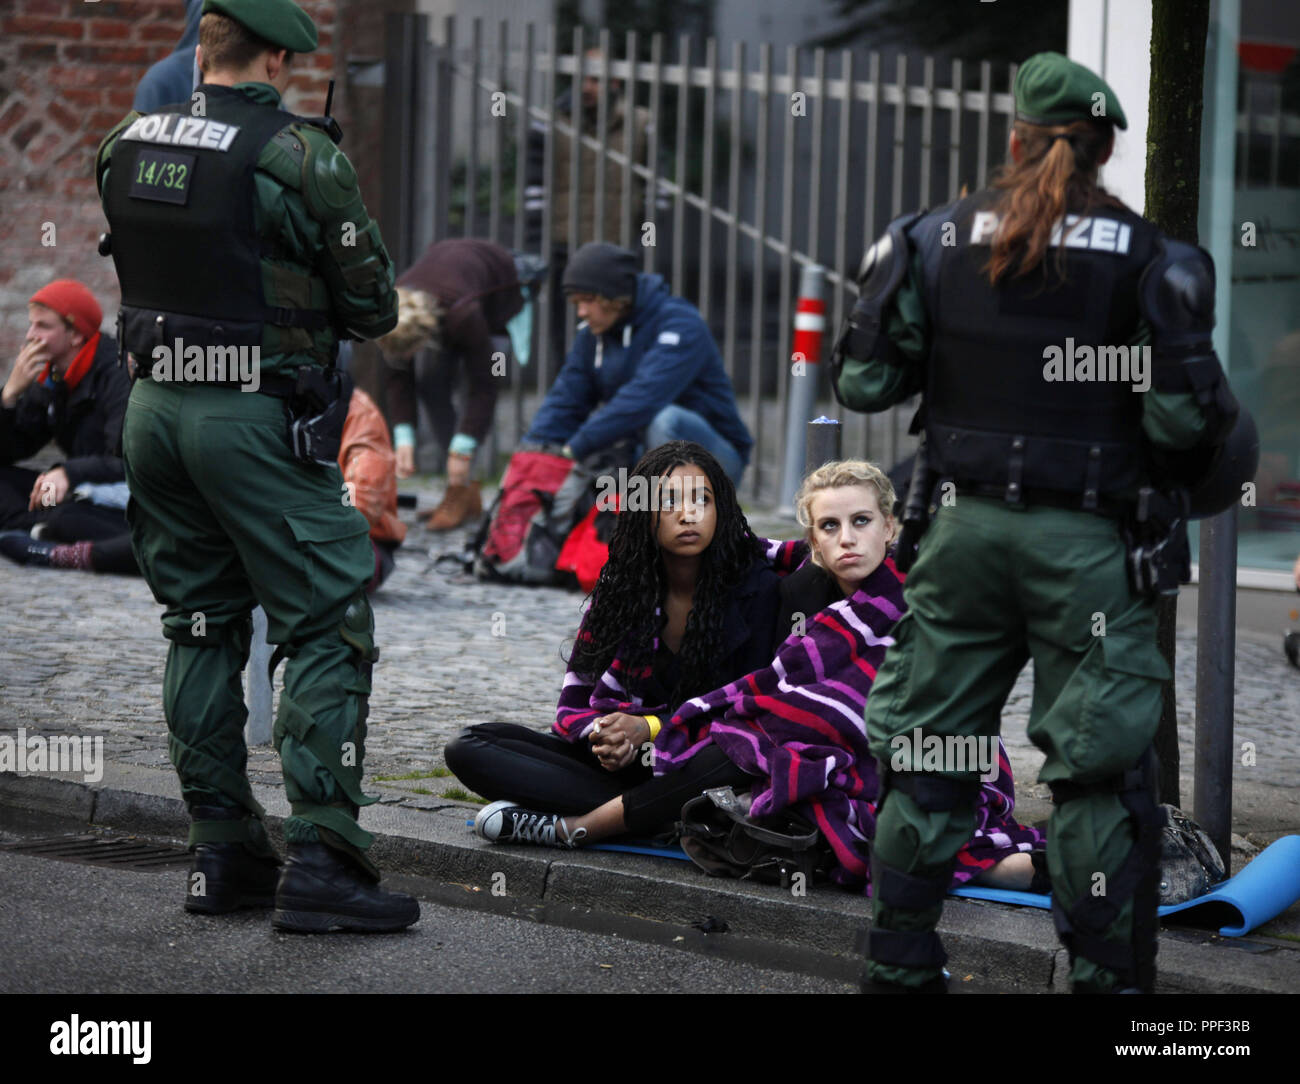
809	327
257	731
823	439
758	300
442	106
602	133
399	80
1216	647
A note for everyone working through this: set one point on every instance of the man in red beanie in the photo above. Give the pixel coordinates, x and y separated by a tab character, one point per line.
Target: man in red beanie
65	386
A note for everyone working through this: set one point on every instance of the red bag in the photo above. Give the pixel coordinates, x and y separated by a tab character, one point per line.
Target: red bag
527	492
584	554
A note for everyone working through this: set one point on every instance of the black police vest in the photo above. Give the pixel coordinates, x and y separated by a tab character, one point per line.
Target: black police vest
1030	384
179	201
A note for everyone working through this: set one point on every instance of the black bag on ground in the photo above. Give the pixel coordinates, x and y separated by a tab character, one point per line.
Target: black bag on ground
1189	862
720	837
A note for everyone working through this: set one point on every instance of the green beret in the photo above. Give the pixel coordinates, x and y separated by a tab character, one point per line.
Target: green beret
1053	89
281	22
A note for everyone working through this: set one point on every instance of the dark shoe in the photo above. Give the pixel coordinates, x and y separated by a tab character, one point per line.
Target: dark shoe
21	547
505	822
1291	647
321	890
228	876
936	985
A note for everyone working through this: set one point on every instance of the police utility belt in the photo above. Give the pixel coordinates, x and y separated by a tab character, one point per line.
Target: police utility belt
1154	526
316	403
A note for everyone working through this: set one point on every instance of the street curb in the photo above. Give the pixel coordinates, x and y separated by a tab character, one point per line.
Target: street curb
997	946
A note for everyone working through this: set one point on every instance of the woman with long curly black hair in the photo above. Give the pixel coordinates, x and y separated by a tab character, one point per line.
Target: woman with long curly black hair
686	602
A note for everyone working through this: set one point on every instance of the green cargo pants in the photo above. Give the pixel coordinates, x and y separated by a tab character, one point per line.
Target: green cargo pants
223	518
992	587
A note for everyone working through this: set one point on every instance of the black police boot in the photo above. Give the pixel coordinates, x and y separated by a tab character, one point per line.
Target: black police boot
936	985
22	548
227	876
868	985
321	889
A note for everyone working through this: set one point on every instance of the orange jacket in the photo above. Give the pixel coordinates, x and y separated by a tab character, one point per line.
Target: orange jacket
368	464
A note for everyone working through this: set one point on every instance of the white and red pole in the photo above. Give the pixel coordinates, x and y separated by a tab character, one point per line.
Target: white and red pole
805	358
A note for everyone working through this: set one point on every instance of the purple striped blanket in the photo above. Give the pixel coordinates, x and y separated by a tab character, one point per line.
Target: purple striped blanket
798	726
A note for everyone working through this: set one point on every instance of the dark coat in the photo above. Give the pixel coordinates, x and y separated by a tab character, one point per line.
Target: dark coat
747	632
477	286
172	79
612	385
86	423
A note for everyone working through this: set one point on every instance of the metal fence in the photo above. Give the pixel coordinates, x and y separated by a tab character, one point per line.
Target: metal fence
749	174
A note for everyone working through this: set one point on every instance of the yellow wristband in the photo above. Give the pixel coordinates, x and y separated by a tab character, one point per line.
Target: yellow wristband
652	721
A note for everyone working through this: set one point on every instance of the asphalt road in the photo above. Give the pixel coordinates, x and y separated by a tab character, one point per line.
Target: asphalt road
69	928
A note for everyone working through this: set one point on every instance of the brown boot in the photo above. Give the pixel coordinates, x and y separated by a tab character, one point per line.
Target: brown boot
460	504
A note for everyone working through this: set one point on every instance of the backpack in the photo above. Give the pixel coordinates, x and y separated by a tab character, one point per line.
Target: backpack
719	836
515	542
586	549
543	498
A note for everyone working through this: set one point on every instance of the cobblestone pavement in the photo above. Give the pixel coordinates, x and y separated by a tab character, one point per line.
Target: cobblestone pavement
84	653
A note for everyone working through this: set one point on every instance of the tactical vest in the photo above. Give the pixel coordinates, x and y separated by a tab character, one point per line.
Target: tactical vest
179	199
1014	403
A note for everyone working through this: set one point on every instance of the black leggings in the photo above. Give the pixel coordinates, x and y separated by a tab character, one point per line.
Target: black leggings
547	773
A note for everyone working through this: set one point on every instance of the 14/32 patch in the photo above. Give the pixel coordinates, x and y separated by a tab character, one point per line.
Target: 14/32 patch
163	176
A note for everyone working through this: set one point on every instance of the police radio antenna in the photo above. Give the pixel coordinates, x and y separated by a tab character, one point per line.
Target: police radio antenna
329	98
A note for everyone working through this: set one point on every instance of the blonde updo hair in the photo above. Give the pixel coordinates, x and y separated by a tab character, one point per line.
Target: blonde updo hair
840	474
418	316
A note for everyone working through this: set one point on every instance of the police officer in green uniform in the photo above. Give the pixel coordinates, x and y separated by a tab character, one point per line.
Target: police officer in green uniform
1062	346
245	253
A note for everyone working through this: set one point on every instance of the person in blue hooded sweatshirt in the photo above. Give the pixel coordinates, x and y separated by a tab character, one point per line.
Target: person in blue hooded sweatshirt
173	78
643	364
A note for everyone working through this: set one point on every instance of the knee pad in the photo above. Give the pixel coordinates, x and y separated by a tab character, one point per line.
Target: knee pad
357	630
1082	929
196	631
933	793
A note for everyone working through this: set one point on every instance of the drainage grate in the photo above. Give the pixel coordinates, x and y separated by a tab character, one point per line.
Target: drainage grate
98	851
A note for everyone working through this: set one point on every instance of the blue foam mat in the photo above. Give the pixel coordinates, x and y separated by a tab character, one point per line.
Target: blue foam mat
639	846
1267	886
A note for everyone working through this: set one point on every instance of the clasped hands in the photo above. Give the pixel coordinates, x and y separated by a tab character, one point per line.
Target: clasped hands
616	737
50	489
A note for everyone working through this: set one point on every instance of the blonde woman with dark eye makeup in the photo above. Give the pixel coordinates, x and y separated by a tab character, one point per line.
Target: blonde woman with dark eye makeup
798	724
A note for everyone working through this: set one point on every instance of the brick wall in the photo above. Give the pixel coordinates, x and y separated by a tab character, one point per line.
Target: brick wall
68	72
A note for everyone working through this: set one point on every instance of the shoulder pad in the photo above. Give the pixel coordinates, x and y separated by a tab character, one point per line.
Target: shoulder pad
107	144
885	263
283	155
329	183
882	272
1176	292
